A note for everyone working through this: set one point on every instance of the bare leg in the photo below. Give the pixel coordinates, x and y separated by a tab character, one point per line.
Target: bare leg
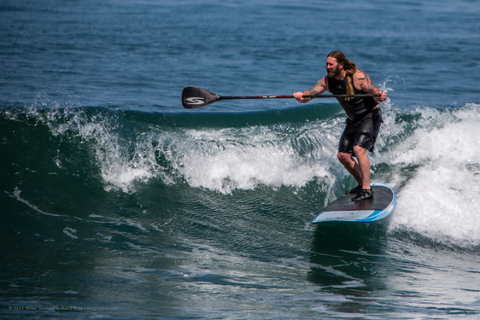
346	159
364	166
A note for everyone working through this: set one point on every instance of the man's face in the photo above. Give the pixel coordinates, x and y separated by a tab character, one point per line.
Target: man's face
333	68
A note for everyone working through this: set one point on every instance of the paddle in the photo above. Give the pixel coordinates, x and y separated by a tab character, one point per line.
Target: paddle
193	97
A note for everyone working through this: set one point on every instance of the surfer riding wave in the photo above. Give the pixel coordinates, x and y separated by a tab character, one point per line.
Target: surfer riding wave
364	117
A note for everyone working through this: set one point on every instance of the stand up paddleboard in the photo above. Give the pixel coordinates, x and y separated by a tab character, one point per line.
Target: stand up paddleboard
344	209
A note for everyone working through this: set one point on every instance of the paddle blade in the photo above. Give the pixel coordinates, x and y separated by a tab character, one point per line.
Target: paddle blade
193	97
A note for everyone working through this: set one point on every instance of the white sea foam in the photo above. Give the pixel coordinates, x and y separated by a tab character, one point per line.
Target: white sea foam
70	232
122	161
441	201
16	194
223	160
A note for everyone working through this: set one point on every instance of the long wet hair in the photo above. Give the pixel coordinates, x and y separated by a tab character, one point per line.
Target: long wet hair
349	67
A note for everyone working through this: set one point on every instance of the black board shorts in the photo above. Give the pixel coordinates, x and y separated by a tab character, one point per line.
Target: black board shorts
362	133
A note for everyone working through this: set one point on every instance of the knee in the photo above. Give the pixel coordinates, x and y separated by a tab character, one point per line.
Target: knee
344	157
359	151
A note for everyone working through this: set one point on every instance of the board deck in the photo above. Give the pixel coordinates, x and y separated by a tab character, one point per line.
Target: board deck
344	209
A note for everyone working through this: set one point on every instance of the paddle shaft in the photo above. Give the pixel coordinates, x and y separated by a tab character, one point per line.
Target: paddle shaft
306	96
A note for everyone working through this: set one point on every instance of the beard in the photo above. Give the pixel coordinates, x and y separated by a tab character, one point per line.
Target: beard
332	73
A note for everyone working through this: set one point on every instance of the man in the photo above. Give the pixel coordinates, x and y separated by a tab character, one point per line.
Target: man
364	117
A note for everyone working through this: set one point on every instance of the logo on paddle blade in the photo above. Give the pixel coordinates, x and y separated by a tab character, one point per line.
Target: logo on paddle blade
194	100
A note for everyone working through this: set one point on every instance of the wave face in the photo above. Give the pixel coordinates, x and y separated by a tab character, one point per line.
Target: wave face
429	156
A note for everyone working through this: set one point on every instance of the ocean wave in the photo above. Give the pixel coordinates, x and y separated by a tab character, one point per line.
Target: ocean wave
429	156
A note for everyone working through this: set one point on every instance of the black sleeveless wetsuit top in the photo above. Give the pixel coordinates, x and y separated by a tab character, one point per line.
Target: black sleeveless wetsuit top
357	108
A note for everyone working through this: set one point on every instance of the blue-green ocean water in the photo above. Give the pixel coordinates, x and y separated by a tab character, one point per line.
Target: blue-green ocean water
117	203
